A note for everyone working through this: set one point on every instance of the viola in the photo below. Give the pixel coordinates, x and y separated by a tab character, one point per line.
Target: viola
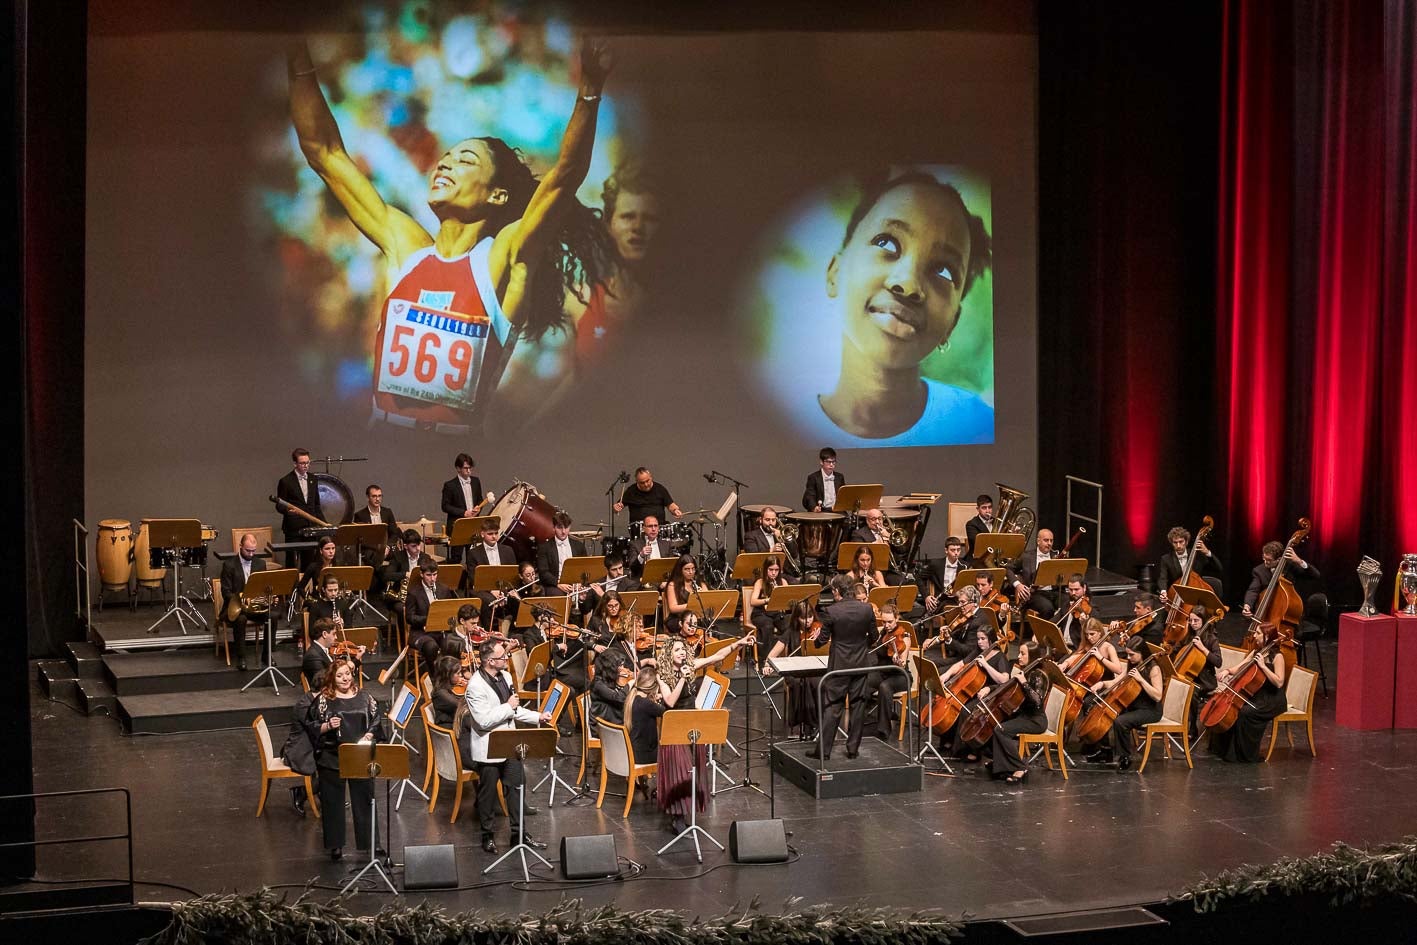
625	677
691	633
558	631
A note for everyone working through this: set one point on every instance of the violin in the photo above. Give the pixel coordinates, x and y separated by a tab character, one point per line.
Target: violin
558	631
625	677
691	633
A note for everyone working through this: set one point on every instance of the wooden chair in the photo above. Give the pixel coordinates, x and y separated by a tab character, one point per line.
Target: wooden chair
957	515
1231	656
273	768
1175	721
1055	710
1299	693
447	763
913	689
221	632
618	758
589	742
262	533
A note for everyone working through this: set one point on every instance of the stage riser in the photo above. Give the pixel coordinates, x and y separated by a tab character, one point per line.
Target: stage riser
56	680
96	696
204	679
193	640
139	716
86	659
879	770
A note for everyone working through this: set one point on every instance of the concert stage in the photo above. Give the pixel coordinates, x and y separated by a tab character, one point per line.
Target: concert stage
962	844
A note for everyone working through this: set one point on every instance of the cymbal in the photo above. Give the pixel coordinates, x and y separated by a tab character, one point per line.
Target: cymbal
699	518
701	512
599	525
760	508
586	533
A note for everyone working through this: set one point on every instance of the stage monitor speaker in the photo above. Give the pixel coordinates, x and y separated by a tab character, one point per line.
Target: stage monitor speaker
430	867
757	841
589	857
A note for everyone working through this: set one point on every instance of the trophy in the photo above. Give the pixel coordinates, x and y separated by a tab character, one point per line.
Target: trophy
1369	574
1407	582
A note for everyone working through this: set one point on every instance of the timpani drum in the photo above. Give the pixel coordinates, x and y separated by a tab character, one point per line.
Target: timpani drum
818	533
113	546
148	576
525	518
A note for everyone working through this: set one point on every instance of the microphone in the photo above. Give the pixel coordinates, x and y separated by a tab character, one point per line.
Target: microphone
624	476
711	477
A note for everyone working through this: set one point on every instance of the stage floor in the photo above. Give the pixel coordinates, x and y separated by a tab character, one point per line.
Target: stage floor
964	845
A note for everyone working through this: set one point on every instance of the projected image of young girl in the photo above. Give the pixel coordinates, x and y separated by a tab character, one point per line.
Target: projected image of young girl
473	314
897	287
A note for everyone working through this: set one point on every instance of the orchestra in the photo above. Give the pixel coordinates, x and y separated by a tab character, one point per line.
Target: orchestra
638	661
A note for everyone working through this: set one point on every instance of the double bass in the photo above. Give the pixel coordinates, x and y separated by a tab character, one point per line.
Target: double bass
1177	611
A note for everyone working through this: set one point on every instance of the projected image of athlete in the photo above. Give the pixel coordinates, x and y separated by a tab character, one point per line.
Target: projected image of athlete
631	218
911	252
484	291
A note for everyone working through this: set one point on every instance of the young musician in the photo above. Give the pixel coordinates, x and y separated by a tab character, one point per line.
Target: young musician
462	496
801	690
615	580
1145	708
765	624
982	522
864	570
1071	623
467	634
678	590
648	700
1173	563
317	656
416	606
823	484
940	576
1297	569
1241	742
402	564
551	555
1029	720
342	714
995	664
299	490
493	705
889	684
489	551
324	558
1148	618
374	511
1202	634
1094	643
329	605
609	689
450	705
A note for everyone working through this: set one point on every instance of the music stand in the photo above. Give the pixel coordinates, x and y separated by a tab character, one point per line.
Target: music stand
997	546
930	685
358	578
171	537
1197	596
846	554
401	710
558	607
585	571
558	696
902	595
361	761
1047	631
521	743
273	584
643	603
442	616
749	565
656	571
965	577
469	529
499	578
360	537
1059	570
693	727
858	498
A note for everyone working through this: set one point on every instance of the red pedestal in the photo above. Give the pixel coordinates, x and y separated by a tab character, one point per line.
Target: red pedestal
1404	709
1367	670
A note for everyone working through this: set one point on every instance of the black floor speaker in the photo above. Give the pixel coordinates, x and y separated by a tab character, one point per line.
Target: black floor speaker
430	867
589	857
757	841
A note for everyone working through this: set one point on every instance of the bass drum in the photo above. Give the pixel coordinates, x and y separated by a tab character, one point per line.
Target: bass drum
336	501
525	519
148	576
113	546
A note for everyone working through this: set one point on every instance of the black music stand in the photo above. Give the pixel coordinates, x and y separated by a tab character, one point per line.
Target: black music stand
274	584
693	727
521	743
361	761
357	578
930	685
173	539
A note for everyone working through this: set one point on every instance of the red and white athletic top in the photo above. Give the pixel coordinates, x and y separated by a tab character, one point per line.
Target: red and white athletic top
440	340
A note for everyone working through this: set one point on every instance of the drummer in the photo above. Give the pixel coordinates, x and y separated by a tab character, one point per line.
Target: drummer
647	497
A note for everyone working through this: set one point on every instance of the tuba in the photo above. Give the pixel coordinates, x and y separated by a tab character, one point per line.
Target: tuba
1013	517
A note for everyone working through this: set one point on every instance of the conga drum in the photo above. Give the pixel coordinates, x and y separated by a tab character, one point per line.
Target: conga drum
148	576
113	546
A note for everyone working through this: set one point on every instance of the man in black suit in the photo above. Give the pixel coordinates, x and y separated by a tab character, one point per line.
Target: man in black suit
649	544
552	554
415	610
1173	563
462	497
940	575
372	512
981	523
1149	619
298	489
489	551
235	572
616	579
1022	573
850	626
822	485
317	655
1296	569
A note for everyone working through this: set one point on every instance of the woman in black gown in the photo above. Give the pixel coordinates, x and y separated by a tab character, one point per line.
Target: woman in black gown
1241	742
801	690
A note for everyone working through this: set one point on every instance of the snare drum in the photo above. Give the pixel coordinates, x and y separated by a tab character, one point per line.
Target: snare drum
525	519
113	545
149	575
818	533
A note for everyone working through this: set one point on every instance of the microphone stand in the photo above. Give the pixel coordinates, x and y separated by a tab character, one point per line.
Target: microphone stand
738	487
610	499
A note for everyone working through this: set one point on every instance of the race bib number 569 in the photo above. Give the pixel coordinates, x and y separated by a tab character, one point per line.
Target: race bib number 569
431	354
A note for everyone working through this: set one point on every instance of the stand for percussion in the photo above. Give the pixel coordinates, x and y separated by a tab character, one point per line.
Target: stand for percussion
172	540
274	584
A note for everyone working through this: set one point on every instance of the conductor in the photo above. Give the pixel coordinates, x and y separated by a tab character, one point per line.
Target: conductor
850	626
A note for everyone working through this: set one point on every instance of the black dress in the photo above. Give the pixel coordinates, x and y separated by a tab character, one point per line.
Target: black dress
1241	742
1030	720
445	710
801	690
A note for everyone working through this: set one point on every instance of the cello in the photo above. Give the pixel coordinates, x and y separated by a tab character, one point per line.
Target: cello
944	710
1223	708
1088	670
997	707
1095	725
1177	610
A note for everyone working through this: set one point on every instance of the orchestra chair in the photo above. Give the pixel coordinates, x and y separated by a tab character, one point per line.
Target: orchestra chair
1175	723
273	768
1051	737
1311	629
1299	693
263	538
221	633
589	742
447	761
903	698
1231	656
426	713
957	515
618	758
